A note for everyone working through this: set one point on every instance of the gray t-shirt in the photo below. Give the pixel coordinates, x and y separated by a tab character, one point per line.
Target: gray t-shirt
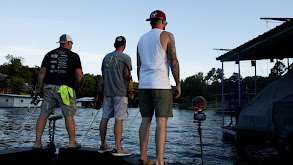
115	82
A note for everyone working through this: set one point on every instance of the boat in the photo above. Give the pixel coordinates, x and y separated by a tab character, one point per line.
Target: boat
16	101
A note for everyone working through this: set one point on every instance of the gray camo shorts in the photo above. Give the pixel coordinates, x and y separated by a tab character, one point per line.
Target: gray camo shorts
52	98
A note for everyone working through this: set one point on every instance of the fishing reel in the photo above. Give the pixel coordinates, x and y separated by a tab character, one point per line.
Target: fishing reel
98	101
36	98
198	104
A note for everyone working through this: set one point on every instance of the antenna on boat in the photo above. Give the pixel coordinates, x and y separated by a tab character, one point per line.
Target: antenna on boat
198	104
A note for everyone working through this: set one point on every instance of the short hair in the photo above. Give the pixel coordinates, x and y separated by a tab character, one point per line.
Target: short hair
154	21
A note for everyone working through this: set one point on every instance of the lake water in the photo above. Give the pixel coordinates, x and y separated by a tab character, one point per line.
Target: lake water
182	144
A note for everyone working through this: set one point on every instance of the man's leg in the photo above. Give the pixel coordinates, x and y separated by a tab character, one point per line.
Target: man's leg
70	126
103	131
160	139
144	136
40	126
118	133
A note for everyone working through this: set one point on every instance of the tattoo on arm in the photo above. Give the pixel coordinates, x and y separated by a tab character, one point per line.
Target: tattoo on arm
172	59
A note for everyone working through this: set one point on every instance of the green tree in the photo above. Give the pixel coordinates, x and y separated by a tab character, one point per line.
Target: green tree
194	86
15	84
14	69
234	77
12	66
88	88
218	75
210	75
278	69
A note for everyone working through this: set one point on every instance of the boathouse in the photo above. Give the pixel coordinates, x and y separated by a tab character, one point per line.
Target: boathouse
275	44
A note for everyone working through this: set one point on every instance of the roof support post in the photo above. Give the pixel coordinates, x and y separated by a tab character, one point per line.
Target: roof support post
239	87
254	78
223	98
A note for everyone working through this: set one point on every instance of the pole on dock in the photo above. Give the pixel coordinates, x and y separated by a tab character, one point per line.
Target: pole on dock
200	138
223	98
199	103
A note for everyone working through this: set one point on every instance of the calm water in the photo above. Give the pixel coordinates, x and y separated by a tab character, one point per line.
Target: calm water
182	145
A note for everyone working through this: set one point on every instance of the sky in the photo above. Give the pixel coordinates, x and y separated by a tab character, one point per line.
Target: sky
30	29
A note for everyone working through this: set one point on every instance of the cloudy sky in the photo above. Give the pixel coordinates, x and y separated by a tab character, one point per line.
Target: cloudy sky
30	29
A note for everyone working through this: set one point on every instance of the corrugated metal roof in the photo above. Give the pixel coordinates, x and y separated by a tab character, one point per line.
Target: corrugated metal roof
276	43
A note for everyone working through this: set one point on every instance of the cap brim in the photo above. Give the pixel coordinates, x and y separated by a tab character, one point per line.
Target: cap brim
150	19
62	42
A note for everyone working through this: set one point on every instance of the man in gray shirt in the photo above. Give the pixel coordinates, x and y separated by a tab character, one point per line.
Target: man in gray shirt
117	86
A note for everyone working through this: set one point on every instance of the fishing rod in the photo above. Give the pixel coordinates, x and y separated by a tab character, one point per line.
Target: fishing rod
129	126
128	79
28	118
90	127
35	101
98	96
98	102
198	104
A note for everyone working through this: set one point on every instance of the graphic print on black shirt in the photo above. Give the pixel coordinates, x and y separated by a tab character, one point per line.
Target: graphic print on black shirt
58	62
60	66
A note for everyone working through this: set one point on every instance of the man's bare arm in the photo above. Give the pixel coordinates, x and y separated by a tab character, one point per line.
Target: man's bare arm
41	79
138	63
174	64
172	58
79	76
130	84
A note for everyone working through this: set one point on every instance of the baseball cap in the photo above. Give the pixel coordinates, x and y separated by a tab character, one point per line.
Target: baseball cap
65	38
120	40
156	14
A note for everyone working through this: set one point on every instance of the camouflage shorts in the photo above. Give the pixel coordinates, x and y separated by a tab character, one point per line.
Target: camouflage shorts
52	98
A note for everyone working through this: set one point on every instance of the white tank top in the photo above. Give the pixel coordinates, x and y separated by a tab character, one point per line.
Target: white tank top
154	70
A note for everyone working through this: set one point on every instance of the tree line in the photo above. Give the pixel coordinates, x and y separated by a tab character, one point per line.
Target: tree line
22	79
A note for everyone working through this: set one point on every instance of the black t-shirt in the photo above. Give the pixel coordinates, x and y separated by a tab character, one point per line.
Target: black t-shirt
60	66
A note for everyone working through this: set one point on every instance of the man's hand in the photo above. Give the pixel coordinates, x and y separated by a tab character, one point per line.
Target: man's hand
41	92
130	95
78	90
177	91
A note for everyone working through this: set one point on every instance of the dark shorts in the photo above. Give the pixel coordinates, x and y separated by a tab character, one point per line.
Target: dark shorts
52	98
158	101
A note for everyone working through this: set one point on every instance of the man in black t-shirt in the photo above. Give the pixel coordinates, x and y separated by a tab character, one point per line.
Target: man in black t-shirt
60	70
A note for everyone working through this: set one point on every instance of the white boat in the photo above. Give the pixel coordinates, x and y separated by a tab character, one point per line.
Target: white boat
16	101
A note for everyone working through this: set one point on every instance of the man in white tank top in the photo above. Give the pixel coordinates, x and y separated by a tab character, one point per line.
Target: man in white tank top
156	53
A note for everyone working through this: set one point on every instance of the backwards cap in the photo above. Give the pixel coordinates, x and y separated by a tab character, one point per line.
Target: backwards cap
157	14
120	40
65	38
